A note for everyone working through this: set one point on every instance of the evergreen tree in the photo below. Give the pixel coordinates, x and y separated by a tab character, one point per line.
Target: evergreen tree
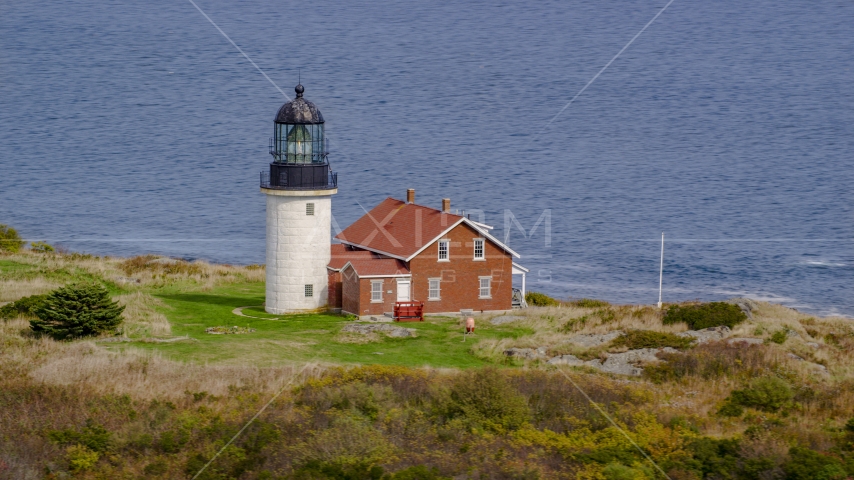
75	311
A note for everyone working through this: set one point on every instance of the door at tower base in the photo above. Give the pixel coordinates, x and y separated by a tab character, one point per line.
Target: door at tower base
298	232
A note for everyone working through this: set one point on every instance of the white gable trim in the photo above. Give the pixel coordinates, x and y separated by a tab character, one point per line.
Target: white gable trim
437	237
518	267
390	275
492	239
471	224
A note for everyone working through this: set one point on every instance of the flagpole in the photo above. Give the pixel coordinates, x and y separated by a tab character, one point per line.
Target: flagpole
661	270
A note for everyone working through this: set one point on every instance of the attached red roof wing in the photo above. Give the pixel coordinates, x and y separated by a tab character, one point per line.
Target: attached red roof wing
398	228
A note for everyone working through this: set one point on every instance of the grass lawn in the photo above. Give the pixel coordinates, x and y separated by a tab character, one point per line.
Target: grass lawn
287	338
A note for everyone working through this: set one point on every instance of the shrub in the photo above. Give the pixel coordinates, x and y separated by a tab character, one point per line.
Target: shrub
77	311
316	470
93	436
650	339
806	464
716	458
81	458
10	241
26	306
418	472
730	409
158	467
41	247
485	398
705	315
538	299
780	336
589	303
765	393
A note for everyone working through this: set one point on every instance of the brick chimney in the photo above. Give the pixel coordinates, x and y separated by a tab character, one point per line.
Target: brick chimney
446	205
410	195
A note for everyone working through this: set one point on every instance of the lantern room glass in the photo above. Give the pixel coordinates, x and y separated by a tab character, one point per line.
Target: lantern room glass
299	144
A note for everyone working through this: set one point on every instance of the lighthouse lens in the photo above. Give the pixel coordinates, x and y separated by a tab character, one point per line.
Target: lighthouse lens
299	145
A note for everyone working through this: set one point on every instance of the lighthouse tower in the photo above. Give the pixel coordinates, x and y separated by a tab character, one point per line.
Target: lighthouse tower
299	188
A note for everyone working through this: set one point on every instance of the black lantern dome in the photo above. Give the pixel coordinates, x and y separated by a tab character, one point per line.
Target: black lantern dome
298	148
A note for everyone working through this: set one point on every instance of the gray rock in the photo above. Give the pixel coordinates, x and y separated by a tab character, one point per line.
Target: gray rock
504	319
818	368
594	340
795	357
745	341
566	360
814	345
526	353
389	330
706	335
746	305
626	363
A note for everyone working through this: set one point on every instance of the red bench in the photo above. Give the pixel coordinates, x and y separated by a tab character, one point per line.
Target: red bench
409	311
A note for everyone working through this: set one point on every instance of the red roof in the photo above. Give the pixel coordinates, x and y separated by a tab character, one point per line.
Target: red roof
398	228
365	262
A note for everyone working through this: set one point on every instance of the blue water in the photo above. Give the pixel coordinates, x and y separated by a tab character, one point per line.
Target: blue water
136	127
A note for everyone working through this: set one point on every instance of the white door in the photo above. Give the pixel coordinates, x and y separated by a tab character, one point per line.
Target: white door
403	290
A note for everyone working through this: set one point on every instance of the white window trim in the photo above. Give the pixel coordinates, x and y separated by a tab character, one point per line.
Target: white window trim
374	283
480	288
447	244
482	258
438	290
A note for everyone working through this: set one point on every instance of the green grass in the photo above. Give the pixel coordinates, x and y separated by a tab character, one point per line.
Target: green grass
293	338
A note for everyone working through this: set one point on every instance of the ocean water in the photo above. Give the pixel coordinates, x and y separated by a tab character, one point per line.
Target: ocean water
136	127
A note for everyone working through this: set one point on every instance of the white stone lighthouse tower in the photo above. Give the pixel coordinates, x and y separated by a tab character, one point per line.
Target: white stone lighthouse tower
299	188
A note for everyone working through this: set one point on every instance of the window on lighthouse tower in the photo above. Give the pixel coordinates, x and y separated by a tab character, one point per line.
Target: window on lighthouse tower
299	145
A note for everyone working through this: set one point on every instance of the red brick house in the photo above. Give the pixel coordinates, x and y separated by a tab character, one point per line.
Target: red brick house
400	251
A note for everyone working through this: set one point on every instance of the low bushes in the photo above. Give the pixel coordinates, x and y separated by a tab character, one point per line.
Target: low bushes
768	394
75	311
484	398
705	315
26	306
711	360
589	303
634	339
806	464
537	299
10	241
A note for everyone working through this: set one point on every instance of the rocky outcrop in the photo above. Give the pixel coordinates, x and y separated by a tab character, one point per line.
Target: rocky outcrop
526	353
746	305
389	330
571	360
593	339
626	363
706	335
745	341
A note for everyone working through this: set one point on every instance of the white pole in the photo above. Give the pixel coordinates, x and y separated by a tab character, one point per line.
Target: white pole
661	270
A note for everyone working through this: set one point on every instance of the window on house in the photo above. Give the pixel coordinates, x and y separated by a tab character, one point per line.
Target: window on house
443	249
434	289
377	291
309	209
478	249
309	290
485	287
